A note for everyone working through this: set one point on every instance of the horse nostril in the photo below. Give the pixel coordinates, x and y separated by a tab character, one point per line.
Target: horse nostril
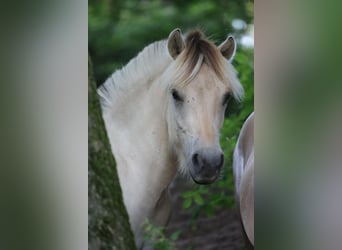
195	159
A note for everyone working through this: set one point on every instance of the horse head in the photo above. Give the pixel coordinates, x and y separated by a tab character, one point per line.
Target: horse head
201	85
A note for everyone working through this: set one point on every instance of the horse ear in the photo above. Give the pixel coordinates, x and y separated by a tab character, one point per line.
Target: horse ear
175	43
228	48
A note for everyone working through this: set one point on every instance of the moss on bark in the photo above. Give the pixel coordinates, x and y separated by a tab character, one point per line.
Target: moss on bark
108	224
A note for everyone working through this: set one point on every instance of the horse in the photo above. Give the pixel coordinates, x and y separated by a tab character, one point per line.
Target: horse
163	112
243	169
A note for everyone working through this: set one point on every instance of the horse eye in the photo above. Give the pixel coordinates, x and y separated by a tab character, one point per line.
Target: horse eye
176	96
226	98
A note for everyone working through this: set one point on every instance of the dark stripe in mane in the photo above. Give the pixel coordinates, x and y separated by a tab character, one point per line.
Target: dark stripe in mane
195	45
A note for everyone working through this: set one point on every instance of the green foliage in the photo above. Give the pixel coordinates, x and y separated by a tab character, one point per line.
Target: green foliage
155	236
118	30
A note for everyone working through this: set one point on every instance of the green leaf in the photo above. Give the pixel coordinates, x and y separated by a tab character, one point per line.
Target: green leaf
209	211
198	199
187	203
187	194
175	235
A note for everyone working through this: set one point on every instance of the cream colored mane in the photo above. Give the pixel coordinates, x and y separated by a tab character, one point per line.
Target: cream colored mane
142	69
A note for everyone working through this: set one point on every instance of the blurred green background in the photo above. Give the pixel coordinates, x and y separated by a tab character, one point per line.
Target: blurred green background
118	30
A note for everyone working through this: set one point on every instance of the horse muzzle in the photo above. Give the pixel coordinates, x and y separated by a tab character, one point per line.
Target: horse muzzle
206	165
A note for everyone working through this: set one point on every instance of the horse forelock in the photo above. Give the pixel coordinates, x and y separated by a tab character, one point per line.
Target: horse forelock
198	51
196	45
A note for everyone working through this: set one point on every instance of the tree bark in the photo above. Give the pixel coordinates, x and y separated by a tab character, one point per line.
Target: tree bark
108	224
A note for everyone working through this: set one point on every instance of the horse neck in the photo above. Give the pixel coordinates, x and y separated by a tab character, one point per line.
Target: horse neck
137	128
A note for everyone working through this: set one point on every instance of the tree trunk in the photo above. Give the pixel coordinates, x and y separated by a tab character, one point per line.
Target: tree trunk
108	224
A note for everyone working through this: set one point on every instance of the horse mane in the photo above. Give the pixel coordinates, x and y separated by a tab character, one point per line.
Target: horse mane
143	68
154	59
